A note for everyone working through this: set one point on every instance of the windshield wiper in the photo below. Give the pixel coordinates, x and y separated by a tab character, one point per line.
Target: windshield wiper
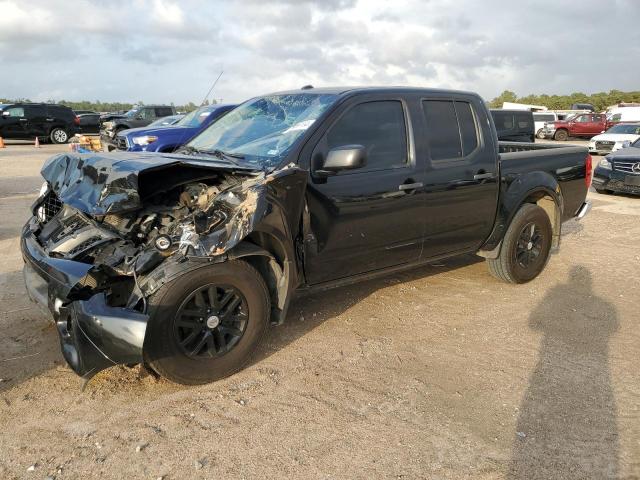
229	157
221	154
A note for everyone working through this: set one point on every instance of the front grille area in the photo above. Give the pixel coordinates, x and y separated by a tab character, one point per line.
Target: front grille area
83	246
632	167
604	146
51	205
121	143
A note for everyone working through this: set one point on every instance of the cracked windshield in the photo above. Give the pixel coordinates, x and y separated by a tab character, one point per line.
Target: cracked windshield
262	130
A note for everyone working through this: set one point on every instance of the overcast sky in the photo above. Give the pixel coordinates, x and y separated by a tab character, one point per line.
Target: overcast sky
171	51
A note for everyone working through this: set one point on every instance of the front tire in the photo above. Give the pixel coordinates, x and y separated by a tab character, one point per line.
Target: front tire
603	191
525	247
206	324
59	135
561	135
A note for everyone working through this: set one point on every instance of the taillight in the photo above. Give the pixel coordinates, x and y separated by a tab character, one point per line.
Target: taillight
588	173
76	120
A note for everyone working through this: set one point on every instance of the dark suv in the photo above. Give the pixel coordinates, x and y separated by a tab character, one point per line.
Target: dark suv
23	121
514	125
138	116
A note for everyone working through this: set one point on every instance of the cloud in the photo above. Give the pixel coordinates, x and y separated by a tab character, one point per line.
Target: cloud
164	50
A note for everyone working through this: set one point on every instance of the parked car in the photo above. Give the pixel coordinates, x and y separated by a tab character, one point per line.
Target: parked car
539	120
166	121
139	116
26	121
582	125
615	138
89	123
168	138
619	171
514	125
583	106
180	261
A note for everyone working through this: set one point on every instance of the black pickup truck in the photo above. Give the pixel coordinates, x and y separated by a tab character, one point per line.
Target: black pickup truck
180	261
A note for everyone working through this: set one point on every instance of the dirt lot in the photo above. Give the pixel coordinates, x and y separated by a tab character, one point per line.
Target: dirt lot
442	372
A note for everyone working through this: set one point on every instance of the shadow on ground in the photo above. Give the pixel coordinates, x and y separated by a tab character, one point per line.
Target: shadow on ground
319	307
566	427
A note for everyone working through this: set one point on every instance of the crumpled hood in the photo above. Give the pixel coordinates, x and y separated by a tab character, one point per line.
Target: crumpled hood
98	184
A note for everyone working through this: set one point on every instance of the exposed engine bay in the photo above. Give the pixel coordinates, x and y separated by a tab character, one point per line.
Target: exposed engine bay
125	246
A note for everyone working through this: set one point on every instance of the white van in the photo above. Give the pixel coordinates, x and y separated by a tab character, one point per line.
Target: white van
623	114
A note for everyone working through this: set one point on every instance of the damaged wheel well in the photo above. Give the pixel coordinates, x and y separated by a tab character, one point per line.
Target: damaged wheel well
269	257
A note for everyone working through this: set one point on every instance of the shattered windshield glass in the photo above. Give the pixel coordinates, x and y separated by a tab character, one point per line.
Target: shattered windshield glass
261	131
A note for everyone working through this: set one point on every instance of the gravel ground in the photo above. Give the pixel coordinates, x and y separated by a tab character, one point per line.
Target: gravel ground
441	372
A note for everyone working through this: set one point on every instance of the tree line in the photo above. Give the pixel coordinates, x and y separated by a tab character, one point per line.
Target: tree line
98	106
600	100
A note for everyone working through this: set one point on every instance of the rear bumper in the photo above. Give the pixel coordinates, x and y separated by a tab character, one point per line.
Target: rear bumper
93	335
583	210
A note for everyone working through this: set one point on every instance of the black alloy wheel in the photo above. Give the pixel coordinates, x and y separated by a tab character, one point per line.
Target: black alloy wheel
529	245
211	321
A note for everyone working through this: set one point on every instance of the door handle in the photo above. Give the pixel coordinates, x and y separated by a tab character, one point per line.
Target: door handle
410	186
23	119
49	119
481	176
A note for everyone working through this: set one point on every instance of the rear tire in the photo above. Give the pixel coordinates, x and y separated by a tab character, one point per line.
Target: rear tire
540	134
603	191
59	135
561	135
234	303
525	247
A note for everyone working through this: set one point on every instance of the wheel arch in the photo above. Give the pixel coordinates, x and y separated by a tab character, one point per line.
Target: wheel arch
538	188
271	258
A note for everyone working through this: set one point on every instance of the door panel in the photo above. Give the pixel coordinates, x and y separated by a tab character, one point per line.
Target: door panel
461	190
37	120
365	220
14	125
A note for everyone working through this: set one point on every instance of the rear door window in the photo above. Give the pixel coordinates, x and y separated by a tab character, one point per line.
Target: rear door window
379	127
452	128
443	131
468	127
524	121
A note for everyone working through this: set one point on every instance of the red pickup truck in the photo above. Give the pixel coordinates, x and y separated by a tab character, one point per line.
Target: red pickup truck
581	125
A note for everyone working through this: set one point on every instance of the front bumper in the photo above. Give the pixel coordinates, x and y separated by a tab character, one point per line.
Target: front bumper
93	335
605	179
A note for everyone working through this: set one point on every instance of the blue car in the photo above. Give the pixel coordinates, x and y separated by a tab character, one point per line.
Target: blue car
170	137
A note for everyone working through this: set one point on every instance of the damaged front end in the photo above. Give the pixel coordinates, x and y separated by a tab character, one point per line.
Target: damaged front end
109	231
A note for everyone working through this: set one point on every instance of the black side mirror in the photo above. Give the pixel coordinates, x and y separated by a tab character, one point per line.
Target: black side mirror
347	157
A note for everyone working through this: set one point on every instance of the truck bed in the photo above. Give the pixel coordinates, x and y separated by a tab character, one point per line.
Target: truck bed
565	163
